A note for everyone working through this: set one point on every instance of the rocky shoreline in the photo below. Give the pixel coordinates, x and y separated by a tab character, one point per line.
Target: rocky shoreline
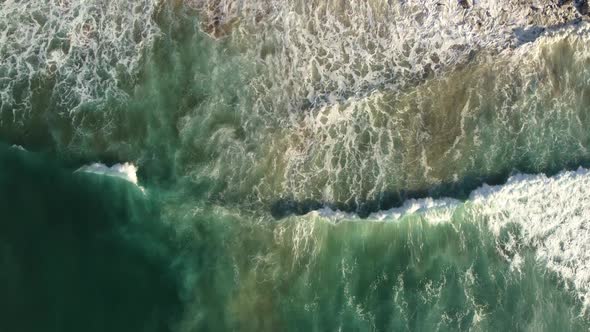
580	5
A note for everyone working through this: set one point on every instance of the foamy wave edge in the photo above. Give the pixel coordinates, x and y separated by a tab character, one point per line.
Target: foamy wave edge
515	185
125	171
553	213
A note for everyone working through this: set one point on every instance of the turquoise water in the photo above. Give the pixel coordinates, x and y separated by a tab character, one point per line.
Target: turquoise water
270	140
91	252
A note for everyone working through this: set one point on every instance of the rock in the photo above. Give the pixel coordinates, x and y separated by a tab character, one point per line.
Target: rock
581	6
463	3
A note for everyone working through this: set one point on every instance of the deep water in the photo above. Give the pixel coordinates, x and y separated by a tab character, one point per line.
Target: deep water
80	252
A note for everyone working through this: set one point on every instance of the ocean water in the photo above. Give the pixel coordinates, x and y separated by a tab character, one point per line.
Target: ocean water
226	165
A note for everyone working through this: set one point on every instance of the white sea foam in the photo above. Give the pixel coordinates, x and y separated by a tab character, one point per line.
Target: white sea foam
87	46
125	171
449	126
325	51
433	209
18	147
373	96
553	213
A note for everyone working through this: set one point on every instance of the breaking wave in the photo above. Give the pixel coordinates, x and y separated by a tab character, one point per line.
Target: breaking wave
552	213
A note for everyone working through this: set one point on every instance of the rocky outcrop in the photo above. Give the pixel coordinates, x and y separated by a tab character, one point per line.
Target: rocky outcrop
464	3
580	5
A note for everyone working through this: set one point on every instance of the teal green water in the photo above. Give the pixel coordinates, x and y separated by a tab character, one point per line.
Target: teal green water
80	252
89	252
237	135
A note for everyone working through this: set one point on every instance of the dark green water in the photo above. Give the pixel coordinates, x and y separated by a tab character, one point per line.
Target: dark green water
91	252
80	252
242	118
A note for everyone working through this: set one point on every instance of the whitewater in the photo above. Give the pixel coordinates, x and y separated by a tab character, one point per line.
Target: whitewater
301	165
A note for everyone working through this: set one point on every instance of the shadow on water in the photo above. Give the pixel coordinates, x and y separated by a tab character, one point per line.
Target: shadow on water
461	189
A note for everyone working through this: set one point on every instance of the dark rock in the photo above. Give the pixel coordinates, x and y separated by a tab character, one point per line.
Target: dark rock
463	3
581	6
